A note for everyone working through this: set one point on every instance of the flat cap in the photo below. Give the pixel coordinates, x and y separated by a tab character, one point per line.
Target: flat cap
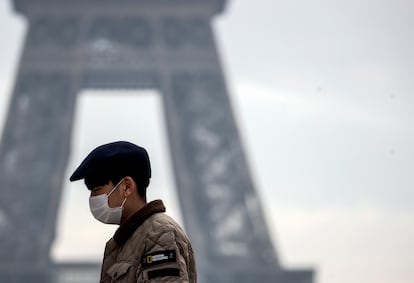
120	156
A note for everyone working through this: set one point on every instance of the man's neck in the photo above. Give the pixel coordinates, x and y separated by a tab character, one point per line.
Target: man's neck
129	211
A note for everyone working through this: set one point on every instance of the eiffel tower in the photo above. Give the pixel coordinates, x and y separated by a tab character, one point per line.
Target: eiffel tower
167	45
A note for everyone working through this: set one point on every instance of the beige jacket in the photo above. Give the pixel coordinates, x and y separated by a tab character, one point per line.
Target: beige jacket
149	247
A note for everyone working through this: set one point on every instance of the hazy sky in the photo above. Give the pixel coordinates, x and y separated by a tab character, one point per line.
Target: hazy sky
323	94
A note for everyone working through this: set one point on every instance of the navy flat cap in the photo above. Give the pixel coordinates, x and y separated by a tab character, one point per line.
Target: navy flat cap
120	155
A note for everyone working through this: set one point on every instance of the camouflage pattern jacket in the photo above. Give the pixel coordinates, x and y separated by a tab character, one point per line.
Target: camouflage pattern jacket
149	247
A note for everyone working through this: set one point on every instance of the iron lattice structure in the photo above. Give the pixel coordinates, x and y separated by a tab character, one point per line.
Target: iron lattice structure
131	44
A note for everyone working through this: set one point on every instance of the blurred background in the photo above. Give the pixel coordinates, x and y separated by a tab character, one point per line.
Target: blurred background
323	96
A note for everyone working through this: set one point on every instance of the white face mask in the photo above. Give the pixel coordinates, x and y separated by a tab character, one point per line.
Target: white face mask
101	211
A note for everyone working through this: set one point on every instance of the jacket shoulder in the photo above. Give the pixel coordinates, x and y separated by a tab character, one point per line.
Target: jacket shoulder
161	223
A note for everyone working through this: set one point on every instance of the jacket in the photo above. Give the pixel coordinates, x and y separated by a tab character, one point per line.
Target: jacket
149	247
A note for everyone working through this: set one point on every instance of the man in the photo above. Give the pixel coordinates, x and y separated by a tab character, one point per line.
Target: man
148	246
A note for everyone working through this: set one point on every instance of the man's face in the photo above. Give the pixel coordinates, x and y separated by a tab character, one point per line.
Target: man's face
116	198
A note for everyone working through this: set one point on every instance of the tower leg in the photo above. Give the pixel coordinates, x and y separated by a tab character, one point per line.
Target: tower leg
219	204
33	155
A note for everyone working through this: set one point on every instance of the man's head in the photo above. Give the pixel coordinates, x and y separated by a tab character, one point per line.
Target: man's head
112	162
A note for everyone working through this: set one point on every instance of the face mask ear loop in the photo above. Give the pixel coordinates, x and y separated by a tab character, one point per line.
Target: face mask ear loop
125	199
115	187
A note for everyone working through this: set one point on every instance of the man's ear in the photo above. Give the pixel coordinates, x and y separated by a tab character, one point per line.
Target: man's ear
130	186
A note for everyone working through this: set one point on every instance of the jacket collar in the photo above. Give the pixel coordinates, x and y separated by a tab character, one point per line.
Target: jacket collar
128	228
